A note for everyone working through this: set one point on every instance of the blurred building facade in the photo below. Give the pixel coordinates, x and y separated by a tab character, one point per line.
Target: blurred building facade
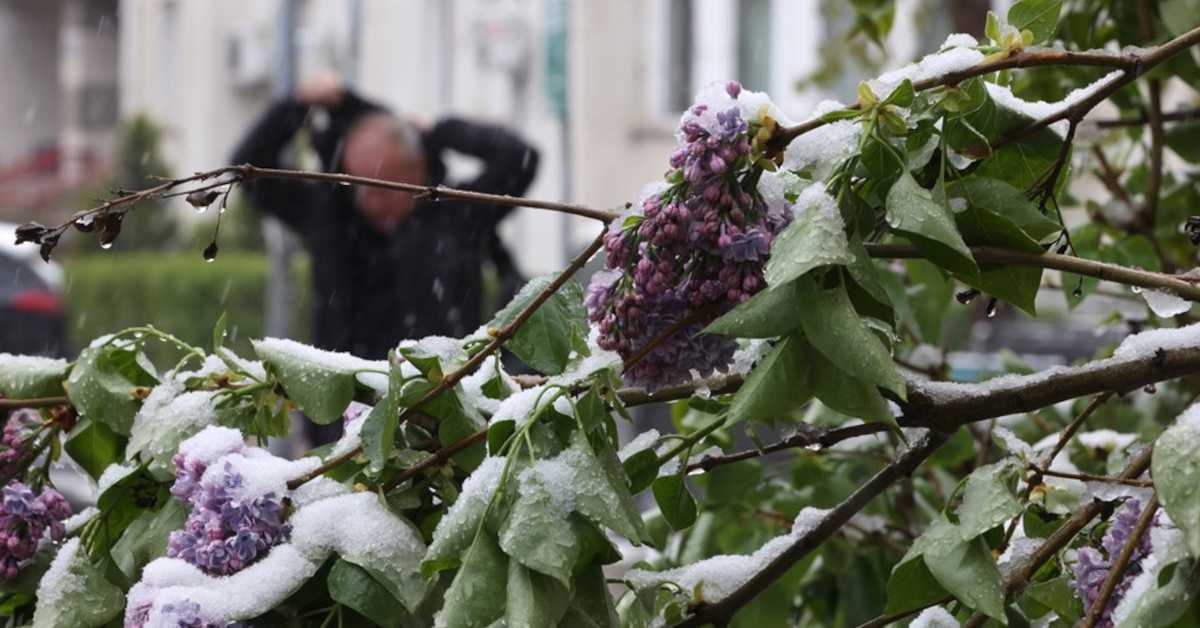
597	86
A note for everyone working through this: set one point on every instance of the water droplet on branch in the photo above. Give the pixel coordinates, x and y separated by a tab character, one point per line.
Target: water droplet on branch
991	308
210	251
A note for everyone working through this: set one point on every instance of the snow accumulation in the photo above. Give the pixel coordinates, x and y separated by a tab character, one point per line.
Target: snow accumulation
353	419
716	100
719	576
1039	109
261	471
823	148
212	443
166	418
243	595
1164	304
1166	545
446	349
645	440
332	360
1147	343
934	617
520	406
112	474
952	59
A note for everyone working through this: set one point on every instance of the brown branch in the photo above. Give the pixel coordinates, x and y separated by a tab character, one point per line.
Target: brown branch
1016	579
884	620
450	380
1182	288
438	457
1088	477
689	318
1110	178
1180	115
719	613
39	402
806	436
1118	568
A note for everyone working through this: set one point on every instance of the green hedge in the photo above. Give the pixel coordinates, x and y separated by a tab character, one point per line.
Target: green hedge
176	292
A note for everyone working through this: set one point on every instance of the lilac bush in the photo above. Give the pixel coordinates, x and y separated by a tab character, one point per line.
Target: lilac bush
1092	567
22	425
695	249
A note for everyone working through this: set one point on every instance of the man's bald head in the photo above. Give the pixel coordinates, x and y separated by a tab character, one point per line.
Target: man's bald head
381	146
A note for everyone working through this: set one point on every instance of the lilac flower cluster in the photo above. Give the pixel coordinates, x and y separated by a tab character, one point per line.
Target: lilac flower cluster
182	614
1092	567
698	246
225	531
19	430
25	519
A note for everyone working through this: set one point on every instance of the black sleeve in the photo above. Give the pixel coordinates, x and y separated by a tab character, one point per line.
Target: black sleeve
261	146
509	163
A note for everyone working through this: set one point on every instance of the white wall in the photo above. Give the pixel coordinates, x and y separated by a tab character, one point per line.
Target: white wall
29	49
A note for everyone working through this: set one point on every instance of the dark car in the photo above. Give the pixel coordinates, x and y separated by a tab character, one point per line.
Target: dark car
32	321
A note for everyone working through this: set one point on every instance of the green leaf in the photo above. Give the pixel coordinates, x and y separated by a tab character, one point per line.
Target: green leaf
676	503
992	27
833	326
601	488
379	433
1040	17
80	597
815	238
1003	199
29	377
776	385
843	393
99	390
987	501
1176	470
354	587
912	586
321	387
94	446
146	538
591	605
534	533
533	600
546	339
123	502
768	314
902	95
1058	595
912	212
479	592
1184	138
1180	16
965	568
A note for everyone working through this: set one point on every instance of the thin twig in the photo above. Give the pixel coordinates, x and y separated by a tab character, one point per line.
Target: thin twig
450	380
807	436
884	620
38	402
1088	477
1122	562
1181	115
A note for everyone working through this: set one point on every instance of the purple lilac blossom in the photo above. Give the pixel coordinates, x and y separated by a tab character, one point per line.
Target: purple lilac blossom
701	244
181	614
25	518
19	429
1092	567
224	531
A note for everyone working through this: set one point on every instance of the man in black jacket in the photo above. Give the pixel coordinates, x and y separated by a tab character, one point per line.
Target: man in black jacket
386	267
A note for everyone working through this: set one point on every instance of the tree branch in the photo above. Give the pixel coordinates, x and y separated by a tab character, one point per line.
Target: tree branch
39	402
451	379
719	613
806	436
1182	288
1179	115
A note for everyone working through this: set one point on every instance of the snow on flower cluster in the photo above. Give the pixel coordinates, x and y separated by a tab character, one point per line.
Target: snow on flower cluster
25	518
235	501
698	243
1092	567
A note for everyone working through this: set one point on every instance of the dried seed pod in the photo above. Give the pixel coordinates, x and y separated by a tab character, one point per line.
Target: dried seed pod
48	244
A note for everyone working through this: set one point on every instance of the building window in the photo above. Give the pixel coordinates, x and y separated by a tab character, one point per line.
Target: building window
679	41
754	44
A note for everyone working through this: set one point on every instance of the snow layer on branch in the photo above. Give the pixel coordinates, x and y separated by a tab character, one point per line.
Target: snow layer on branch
261	471
332	360
719	576
241	596
166	418
446	349
211	443
960	40
1106	439
317	489
934	617
953	59
1147	343
520	406
717	100
1040	109
79	519
56	584
645	440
